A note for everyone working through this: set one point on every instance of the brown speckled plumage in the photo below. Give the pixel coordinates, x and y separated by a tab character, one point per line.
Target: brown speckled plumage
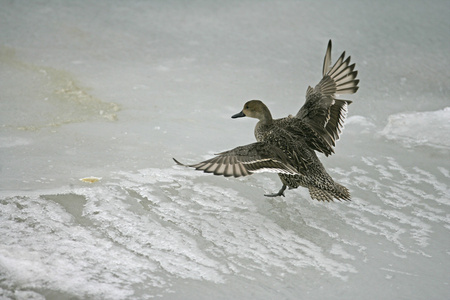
287	146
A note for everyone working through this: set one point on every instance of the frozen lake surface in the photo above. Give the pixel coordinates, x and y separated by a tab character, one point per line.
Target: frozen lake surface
114	90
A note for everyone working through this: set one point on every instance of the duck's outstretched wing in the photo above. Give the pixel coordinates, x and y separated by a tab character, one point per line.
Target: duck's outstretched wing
246	160
322	111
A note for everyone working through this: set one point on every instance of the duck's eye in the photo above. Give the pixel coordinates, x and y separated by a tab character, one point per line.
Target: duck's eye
246	107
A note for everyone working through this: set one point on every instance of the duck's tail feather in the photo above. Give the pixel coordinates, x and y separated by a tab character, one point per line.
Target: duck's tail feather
340	193
319	194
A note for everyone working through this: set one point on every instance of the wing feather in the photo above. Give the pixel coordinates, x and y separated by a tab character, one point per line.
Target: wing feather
322	112
246	160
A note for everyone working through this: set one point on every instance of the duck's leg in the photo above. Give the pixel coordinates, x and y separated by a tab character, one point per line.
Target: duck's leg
280	192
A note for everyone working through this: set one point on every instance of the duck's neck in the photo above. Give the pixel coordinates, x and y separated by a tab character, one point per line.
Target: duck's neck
263	127
266	118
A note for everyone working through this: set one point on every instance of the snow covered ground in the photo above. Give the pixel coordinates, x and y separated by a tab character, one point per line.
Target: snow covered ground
115	89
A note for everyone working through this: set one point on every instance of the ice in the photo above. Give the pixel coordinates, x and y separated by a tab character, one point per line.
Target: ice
420	128
97	97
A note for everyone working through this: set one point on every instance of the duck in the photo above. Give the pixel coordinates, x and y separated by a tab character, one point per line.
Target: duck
288	146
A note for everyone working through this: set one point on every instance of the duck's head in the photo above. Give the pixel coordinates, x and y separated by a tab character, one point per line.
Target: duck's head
254	109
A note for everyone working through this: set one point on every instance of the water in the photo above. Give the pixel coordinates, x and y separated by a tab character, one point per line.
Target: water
114	90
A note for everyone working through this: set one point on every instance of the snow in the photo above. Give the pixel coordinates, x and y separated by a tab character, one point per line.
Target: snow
97	97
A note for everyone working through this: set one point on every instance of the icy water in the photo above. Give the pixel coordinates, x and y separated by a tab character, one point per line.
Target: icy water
112	90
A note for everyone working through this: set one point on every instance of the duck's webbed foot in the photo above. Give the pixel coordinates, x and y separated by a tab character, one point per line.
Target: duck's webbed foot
280	192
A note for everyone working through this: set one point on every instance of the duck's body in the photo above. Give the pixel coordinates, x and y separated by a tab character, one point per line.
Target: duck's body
287	146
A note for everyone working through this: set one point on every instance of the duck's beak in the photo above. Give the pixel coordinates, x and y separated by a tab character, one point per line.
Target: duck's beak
238	115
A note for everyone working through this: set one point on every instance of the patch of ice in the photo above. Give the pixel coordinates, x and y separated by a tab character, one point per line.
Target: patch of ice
337	249
359	120
420	128
154	226
43	247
